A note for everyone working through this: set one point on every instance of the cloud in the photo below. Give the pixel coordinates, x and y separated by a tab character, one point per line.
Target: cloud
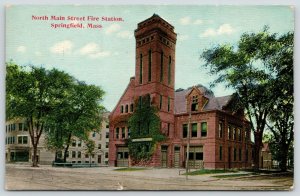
209	32
100	54
222	30
225	29
198	22
93	50
182	37
188	21
112	28
125	34
21	49
63	47
185	20
89	48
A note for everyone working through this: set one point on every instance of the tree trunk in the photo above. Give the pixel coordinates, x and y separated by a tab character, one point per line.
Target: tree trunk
67	148
257	147
56	155
34	158
284	156
65	153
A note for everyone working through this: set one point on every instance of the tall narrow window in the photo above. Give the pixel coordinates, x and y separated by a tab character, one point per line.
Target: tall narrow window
129	132
169	104
149	65
240	154
184	130
229	132
141	68
194	129
161	66
126	109
20	126
122	109
169	70
220	129
123	132
117	132
194	106
234	133
131	107
221	153
160	102
203	129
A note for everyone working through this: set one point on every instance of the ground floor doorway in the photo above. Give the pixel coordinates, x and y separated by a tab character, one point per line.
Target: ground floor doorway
195	157
122	156
176	156
164	156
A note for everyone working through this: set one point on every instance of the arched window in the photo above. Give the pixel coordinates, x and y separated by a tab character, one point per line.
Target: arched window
169	104
141	68
131	107
149	65
169	70
161	66
160	102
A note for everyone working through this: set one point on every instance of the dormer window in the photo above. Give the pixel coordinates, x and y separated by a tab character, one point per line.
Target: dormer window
194	106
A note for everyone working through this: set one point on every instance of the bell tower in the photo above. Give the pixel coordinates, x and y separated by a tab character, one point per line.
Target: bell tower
155	67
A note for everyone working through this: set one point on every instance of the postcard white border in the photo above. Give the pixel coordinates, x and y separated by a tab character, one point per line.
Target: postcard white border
296	3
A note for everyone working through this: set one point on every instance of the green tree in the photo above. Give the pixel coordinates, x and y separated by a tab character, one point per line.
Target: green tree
79	113
31	93
251	68
144	123
281	118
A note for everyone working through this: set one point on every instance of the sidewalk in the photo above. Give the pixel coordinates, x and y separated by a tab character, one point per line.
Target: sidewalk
46	177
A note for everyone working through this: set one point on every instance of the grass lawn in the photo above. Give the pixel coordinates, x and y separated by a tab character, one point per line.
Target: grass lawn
231	175
209	171
130	169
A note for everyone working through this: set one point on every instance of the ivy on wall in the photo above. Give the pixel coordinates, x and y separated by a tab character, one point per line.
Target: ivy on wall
144	123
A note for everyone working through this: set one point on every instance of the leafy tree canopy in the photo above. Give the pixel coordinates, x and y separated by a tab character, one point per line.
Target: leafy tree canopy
259	68
54	101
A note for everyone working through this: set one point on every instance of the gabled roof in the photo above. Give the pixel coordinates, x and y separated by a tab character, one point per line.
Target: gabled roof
132	79
214	103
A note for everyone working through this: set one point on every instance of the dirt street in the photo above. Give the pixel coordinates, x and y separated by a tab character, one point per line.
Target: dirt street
24	177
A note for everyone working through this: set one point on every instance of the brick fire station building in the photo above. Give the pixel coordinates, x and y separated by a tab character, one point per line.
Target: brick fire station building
219	138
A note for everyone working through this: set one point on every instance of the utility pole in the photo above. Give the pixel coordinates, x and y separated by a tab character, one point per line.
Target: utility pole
188	147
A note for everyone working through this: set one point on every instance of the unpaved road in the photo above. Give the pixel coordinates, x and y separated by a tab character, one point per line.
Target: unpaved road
23	177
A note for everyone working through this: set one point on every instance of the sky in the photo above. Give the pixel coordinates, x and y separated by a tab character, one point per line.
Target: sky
106	56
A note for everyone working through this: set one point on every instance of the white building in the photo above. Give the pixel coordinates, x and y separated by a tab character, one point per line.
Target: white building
18	147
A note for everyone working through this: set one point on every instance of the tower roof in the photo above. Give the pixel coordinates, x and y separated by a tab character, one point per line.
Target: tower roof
155	18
